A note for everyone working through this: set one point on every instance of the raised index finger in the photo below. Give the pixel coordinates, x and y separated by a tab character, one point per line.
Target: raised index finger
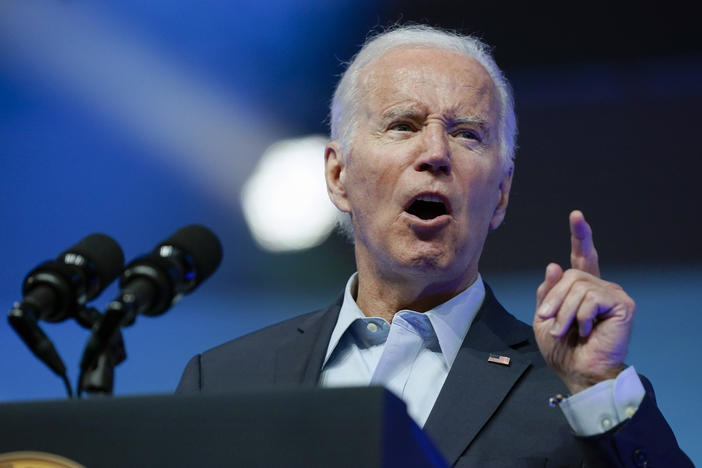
583	255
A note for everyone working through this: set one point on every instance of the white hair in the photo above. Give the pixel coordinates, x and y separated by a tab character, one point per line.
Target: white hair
347	97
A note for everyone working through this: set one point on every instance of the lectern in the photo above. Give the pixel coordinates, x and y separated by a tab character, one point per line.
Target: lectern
349	427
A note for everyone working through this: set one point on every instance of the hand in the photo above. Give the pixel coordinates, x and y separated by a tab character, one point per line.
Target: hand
582	323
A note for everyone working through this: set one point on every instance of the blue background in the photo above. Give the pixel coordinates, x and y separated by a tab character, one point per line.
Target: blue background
136	118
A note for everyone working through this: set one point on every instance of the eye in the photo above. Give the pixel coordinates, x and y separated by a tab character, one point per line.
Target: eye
401	127
468	134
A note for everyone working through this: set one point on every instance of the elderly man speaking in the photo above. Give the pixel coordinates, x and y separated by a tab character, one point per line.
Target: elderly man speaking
421	160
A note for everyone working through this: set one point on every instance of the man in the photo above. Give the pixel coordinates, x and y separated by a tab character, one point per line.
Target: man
423	131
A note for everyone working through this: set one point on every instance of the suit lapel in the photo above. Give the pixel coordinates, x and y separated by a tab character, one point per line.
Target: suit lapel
298	360
475	388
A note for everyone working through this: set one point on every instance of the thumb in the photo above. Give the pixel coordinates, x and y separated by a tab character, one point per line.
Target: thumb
553	274
583	255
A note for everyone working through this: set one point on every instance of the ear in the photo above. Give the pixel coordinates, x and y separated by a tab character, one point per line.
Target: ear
335	175
503	197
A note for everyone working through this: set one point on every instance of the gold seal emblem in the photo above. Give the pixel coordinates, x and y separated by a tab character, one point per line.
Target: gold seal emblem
35	460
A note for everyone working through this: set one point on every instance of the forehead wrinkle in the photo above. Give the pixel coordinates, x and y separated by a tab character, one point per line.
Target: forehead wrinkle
478	87
475	96
453	116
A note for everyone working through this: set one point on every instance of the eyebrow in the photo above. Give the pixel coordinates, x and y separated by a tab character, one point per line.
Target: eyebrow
413	113
473	120
469	119
401	112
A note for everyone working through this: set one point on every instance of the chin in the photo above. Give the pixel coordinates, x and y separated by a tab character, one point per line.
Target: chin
447	255
430	257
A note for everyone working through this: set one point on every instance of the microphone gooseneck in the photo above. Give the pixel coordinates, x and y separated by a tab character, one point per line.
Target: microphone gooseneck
151	284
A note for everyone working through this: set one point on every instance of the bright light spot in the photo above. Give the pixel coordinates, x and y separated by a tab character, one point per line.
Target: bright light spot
285	200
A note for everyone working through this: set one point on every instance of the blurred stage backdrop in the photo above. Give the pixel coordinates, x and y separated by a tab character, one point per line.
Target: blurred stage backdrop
136	118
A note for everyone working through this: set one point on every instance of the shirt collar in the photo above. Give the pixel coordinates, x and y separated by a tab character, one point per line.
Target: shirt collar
347	315
450	320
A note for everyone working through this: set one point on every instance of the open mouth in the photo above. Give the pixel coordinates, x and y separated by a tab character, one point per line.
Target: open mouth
428	206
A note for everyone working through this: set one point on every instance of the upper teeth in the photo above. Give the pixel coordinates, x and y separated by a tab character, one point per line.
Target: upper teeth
430	197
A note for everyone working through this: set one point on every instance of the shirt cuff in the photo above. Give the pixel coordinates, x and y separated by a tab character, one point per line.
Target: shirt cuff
599	408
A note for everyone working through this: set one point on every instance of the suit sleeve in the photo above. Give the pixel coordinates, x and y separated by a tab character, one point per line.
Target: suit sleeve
644	440
191	381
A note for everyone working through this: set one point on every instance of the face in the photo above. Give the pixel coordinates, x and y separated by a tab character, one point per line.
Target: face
424	181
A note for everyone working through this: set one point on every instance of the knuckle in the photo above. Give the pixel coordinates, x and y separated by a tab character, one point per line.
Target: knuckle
592	296
624	299
631	305
581	286
571	274
627	313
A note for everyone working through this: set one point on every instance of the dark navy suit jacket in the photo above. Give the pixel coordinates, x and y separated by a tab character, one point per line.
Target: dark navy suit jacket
486	415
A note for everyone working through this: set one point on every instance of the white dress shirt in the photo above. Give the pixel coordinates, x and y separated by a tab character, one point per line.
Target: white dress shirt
412	357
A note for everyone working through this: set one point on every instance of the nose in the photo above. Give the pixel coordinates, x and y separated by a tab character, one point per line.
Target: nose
436	155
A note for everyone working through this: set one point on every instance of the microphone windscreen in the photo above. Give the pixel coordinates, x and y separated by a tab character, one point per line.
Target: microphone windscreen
104	253
202	245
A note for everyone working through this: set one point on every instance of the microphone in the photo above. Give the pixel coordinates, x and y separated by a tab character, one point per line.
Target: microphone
54	290
151	284
58	289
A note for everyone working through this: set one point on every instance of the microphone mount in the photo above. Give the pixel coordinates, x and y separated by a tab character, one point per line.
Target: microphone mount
58	289
153	283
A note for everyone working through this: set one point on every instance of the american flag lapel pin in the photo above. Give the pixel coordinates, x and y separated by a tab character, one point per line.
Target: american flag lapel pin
499	359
